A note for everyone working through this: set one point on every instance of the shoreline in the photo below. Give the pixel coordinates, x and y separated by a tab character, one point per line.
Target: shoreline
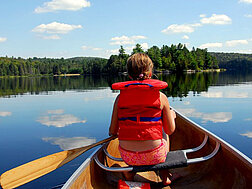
122	73
66	75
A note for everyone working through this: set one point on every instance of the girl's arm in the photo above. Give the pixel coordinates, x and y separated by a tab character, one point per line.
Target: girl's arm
113	129
168	115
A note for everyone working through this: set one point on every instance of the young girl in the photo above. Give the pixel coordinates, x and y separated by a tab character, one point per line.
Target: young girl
141	113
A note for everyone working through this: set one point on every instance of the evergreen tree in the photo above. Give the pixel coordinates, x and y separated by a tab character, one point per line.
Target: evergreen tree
137	49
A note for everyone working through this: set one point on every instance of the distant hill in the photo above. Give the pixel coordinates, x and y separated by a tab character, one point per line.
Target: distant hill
233	61
85	58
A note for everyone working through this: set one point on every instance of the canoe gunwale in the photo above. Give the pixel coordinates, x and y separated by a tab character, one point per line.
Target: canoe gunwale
215	138
78	171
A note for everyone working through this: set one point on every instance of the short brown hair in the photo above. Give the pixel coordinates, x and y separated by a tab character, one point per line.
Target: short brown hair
139	66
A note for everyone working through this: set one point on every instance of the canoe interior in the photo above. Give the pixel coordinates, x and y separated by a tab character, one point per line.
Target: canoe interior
227	169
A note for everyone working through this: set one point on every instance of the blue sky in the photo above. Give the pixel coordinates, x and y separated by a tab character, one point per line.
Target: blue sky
69	28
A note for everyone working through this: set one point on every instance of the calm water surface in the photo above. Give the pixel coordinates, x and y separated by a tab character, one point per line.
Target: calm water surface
42	116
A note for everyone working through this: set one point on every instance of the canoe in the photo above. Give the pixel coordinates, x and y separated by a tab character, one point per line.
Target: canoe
212	163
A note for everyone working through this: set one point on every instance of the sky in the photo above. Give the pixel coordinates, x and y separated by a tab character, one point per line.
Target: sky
97	28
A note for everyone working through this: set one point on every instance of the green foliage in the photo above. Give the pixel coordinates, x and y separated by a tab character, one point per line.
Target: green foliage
50	66
137	49
175	58
233	61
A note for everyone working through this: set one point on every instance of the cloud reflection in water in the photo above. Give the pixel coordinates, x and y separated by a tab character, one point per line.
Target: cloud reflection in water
216	117
70	143
248	134
227	94
56	118
4	114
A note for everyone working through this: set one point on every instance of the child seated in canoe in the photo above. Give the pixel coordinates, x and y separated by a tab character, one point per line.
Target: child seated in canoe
141	117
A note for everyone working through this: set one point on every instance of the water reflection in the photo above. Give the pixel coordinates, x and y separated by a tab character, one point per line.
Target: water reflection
70	143
50	122
248	119
10	87
4	114
100	96
179	85
215	117
57	118
226	94
248	134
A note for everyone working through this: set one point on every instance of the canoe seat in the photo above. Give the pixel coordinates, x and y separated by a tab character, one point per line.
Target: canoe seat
174	159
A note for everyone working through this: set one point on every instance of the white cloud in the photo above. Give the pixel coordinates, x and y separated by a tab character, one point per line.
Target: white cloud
3	39
54	37
113	51
55	27
189	28
216	19
144	46
185	37
70	143
125	40
248	15
248	134
96	49
210	45
56	118
233	43
215	117
4	114
137	37
248	51
248	119
245	1
84	47
56	5
175	28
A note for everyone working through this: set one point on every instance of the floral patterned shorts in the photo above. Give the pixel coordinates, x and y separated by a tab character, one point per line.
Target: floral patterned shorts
149	157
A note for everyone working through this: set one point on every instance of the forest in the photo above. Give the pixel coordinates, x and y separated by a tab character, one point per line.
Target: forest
233	61
174	58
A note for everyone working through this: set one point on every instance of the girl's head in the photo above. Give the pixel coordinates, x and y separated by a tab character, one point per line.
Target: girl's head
139	66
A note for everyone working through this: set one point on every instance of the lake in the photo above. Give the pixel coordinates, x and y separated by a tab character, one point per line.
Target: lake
44	115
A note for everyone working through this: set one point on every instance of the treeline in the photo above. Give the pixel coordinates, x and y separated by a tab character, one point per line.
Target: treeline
233	61
50	66
175	58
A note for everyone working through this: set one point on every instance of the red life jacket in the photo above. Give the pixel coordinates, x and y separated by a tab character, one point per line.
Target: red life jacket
139	113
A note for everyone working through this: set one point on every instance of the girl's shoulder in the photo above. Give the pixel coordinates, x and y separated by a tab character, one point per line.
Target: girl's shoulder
162	95
163	100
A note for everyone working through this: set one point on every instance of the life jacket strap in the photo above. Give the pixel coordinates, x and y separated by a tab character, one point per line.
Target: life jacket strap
141	118
139	84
